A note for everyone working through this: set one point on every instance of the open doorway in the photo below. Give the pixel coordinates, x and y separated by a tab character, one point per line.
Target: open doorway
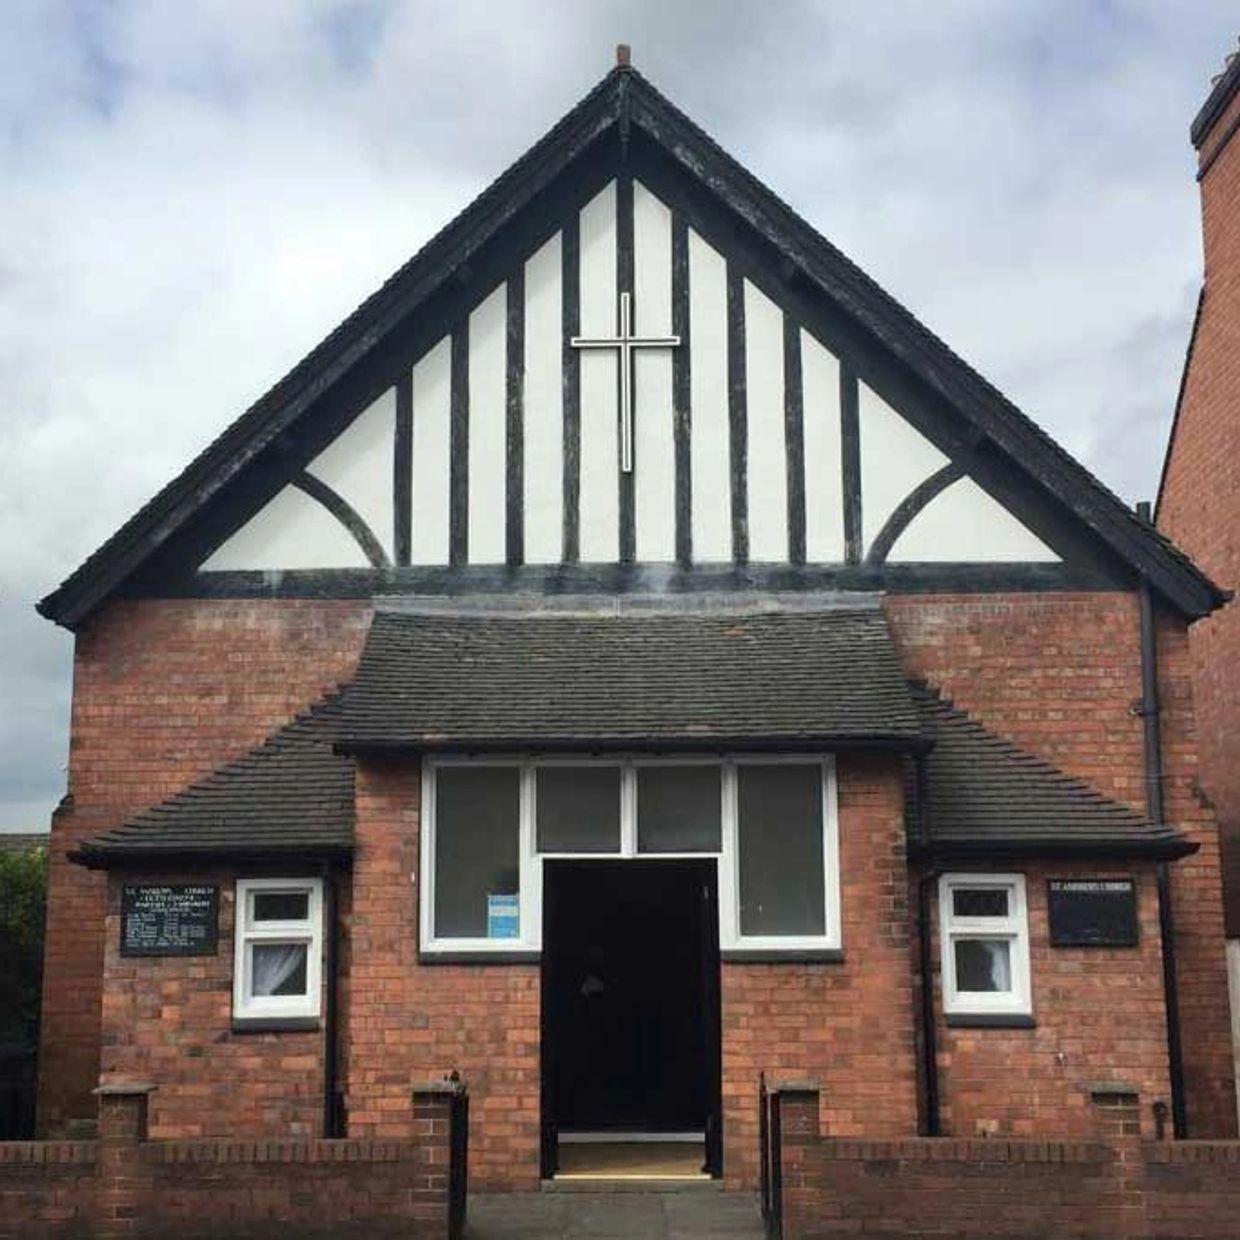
630	1059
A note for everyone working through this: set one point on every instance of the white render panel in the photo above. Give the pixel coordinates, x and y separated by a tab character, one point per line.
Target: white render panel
357	465
824	490
963	523
653	411
709	447
432	402
766	454
895	458
488	429
599	456
290	531
543	434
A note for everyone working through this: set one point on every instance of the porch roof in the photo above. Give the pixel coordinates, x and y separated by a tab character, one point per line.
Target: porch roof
289	798
600	680
984	796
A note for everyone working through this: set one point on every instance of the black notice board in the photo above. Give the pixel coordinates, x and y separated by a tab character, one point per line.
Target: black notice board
179	920
1093	912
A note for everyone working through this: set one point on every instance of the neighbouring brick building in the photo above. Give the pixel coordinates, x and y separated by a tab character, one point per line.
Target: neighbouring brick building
1199	500
632	654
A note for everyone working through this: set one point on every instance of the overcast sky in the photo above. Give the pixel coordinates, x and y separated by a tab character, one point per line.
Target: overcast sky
194	192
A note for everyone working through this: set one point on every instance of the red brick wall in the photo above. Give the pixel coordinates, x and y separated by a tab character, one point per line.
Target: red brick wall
126	1185
1200	502
1110	1186
410	1021
1100	1018
848	1025
1059	674
46	1187
168	1020
164	691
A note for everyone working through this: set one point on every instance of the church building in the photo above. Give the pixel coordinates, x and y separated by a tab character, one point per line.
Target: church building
631	655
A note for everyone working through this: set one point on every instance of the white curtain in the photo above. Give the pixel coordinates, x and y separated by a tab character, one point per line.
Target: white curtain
274	964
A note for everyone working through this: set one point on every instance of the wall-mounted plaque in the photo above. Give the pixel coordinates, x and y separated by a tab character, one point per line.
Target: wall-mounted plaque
1093	912
179	920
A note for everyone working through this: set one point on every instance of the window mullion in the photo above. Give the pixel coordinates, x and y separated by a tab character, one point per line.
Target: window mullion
628	810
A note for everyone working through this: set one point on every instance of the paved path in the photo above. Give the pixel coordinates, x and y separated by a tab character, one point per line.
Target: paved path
614	1216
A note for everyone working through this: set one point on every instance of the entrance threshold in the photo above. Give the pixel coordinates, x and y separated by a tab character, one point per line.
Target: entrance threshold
644	1156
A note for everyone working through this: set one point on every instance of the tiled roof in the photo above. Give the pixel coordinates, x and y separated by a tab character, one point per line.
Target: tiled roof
292	795
985	794
587	680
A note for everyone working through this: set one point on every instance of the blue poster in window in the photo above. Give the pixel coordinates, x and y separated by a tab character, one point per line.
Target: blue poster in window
503	916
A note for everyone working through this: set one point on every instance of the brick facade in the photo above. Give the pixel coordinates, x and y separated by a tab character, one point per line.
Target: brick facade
163	691
849	1022
1060	674
1099	1018
1057	673
169	1019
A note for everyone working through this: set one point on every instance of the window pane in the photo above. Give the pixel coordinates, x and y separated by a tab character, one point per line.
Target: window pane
281	905
678	809
980	901
279	968
779	823
578	809
983	965
476	850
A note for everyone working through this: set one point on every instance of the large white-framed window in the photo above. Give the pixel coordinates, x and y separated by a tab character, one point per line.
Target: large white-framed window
984	943
277	966
770	822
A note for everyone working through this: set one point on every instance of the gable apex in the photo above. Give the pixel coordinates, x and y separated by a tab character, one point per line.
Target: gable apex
622	106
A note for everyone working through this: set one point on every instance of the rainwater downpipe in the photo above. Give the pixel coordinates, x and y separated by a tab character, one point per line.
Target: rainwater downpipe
929	1039
333	1125
1155	807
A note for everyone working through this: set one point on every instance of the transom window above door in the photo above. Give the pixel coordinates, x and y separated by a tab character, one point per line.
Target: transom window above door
489	823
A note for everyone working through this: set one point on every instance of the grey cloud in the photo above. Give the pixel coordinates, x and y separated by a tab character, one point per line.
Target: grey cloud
192	194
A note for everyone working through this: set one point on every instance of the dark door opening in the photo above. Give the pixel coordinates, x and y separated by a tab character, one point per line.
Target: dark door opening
630	968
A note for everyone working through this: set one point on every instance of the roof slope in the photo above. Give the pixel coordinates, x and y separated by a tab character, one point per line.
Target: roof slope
292	795
987	796
622	101
587	681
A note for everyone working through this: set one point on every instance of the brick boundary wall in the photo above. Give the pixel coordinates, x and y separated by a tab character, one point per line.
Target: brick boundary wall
1116	1186
124	1186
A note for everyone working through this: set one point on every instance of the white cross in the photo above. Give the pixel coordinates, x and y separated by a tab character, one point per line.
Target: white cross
626	342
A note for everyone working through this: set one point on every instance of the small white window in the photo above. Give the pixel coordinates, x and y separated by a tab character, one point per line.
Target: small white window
984	939
279	948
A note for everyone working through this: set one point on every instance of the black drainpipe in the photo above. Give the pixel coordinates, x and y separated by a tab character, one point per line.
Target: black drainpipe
1156	809
333	1117
929	1039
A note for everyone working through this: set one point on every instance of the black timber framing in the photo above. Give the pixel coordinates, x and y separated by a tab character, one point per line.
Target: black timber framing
681	391
346	514
626	490
864	358
570	309
908	508
850	464
794	440
402	470
672	579
738	415
761	237
514	389
458	449
284	455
